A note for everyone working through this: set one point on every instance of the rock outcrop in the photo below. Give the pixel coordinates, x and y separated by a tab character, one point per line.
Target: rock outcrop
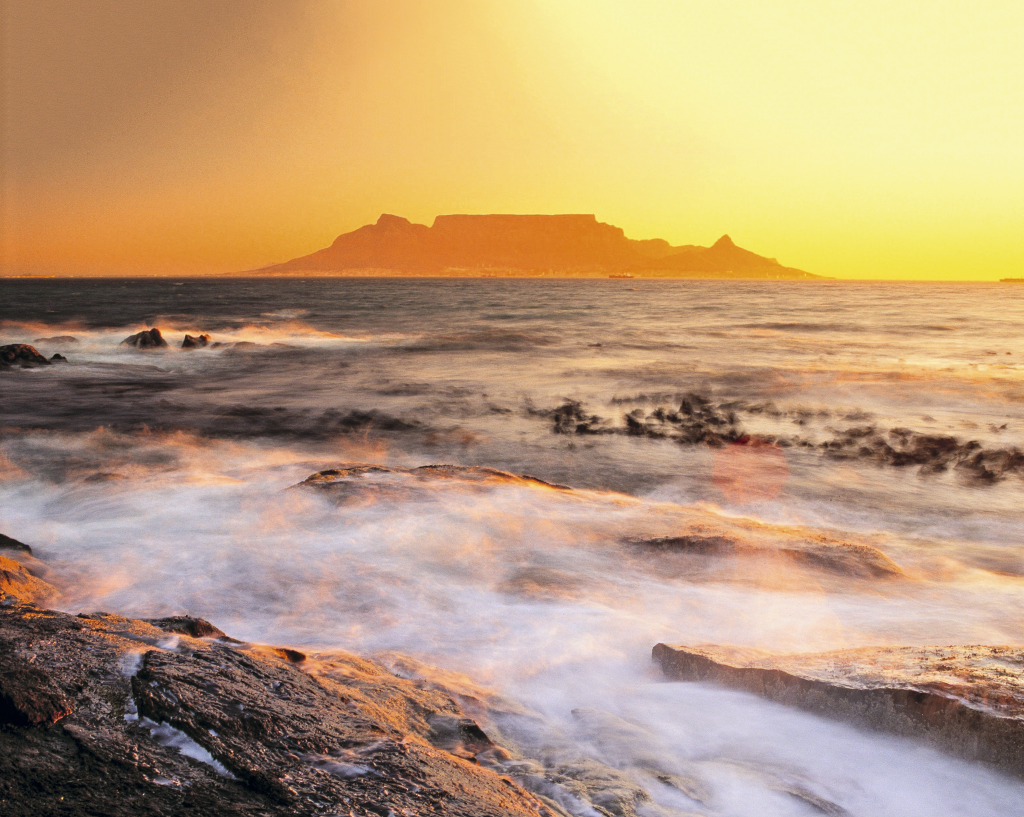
147	339
697	420
18	581
8	543
104	715
968	700
195	341
21	354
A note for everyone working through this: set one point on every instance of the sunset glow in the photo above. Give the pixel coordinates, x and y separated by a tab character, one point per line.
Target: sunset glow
868	140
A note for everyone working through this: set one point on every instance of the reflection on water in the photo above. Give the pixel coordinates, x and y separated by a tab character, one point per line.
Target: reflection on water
542	604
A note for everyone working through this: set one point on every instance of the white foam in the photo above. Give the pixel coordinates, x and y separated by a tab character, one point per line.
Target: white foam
166	735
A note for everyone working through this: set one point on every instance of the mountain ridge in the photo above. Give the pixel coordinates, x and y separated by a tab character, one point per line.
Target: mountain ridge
561	244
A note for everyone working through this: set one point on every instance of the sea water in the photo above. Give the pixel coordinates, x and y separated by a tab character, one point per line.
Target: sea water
152	482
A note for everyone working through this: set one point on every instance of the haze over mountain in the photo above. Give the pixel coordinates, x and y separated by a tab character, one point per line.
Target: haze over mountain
573	244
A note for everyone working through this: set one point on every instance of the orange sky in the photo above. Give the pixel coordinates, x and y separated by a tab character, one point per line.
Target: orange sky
863	140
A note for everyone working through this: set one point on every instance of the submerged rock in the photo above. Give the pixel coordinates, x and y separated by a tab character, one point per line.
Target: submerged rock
21	354
195	341
58	358
968	700
105	715
147	339
57	339
360	481
847	559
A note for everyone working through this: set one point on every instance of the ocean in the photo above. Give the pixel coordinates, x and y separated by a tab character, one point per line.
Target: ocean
883	415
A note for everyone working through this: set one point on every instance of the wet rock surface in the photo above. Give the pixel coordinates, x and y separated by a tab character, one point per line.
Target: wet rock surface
359	480
187	625
967	700
18	581
21	354
696	419
147	339
8	543
549	763
815	552
104	715
195	341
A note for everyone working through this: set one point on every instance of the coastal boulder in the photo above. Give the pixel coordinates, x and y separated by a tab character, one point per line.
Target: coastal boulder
195	341
147	339
21	354
967	700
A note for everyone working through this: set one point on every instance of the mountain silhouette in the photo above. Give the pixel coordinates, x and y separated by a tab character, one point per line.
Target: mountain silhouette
538	244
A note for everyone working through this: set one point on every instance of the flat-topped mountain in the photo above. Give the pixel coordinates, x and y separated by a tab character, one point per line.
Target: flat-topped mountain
532	244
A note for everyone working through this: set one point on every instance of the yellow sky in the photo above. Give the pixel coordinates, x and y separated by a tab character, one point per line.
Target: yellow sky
856	139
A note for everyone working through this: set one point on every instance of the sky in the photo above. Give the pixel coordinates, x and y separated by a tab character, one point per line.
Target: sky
851	139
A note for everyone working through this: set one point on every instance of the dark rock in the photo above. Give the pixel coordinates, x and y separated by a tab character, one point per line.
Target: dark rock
7	543
263	737
21	354
186	625
195	341
27	695
147	339
294	656
57	339
700	421
58	358
966	700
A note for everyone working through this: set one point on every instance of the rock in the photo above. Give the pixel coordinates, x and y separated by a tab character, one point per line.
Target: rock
7	543
57	339
148	339
186	625
848	559
698	420
27	696
147	725
17	581
195	341
376	481
21	354
968	700
58	358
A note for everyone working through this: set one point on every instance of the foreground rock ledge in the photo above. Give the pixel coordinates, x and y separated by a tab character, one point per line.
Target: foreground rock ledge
968	700
101	714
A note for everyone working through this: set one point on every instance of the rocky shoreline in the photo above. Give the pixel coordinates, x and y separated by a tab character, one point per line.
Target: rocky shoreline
966	700
101	714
